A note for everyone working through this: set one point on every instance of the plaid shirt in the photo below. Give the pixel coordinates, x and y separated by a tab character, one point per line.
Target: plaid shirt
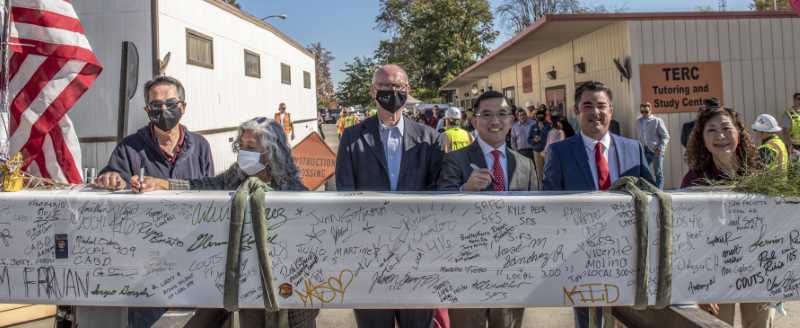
228	180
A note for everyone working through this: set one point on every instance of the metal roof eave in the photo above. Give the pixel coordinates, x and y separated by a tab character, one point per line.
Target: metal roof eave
553	30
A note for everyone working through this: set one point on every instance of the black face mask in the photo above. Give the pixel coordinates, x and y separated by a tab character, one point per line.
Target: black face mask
391	100
165	119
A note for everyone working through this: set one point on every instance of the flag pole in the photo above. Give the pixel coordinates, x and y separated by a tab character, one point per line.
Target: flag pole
5	56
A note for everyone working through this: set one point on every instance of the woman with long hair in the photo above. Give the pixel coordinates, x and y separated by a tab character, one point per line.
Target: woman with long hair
720	149
263	152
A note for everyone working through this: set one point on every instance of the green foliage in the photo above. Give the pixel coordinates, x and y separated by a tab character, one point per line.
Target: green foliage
770	182
766	5
434	40
354	90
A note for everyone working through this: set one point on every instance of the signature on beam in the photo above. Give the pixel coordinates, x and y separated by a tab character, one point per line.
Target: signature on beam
326	291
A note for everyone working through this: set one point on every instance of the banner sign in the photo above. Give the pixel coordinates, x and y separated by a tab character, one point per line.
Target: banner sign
680	87
367	250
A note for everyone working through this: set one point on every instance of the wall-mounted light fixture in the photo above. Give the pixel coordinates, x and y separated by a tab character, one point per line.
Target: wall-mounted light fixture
580	67
552	74
474	89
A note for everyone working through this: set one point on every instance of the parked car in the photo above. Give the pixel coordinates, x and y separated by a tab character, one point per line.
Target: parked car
331	116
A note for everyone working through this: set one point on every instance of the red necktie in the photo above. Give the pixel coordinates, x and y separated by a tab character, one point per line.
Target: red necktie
603	179
497	172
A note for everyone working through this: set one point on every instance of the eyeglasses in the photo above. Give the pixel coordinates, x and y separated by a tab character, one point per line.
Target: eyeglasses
391	86
171	103
489	116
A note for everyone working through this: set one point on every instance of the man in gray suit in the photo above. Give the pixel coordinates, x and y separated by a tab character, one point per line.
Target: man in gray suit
488	165
388	152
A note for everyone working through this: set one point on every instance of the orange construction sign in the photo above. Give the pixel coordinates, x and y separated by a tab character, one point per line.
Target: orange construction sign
316	161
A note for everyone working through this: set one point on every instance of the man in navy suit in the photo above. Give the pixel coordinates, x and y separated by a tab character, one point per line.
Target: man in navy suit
388	152
594	158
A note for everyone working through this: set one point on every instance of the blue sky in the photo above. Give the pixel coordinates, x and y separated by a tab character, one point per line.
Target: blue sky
346	27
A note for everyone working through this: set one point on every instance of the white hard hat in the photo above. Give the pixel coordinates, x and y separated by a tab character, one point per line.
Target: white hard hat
766	123
453	113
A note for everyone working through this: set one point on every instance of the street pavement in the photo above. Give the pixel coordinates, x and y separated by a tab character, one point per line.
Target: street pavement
538	317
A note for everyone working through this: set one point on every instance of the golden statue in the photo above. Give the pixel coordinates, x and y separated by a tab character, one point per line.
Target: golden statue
12	173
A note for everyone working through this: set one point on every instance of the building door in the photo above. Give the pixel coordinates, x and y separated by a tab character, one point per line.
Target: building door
509	93
556	97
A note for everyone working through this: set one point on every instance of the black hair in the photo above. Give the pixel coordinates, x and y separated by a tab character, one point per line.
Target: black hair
163	80
796	94
491	94
592	86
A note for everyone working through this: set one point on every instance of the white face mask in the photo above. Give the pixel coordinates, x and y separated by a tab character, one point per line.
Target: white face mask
250	162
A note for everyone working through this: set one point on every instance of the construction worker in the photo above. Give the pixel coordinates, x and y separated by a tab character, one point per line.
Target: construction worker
285	120
772	151
346	120
454	137
792	123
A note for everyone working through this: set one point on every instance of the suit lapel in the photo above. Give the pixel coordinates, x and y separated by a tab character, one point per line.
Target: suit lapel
618	152
476	156
409	142
373	139
511	161
579	151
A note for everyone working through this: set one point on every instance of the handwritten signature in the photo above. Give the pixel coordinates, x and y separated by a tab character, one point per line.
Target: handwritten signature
326	291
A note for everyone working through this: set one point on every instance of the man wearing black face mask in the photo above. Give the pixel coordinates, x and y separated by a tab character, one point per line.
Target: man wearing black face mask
164	148
389	153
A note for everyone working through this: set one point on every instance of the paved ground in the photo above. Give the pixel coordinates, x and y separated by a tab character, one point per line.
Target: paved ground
540	317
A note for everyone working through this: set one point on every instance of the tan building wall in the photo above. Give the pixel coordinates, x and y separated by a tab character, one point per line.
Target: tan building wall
598	49
760	67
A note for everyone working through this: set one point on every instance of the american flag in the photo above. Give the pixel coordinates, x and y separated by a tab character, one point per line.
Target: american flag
51	66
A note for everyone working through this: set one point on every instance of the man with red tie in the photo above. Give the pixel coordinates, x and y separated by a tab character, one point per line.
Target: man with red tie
488	165
594	158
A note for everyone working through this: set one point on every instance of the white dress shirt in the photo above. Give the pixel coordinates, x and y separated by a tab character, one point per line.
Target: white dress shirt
613	167
486	149
392	140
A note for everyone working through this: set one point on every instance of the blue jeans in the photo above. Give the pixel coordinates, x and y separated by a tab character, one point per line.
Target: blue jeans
657	163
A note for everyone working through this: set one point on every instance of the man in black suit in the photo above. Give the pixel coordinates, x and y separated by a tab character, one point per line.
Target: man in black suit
488	165
389	153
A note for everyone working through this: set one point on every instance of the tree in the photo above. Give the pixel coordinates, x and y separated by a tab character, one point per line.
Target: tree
766	5
354	90
434	40
323	58
232	3
519	14
516	15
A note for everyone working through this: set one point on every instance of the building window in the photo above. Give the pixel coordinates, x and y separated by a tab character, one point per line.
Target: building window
286	74
252	64
527	79
306	80
199	49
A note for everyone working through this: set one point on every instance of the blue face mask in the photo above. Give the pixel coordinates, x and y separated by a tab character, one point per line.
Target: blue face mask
250	162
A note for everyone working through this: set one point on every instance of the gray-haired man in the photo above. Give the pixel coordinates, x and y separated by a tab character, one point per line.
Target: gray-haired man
165	149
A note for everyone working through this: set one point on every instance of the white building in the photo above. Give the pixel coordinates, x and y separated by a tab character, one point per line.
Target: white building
208	43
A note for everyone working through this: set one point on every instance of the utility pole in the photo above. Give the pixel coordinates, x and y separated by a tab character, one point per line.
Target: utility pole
723	5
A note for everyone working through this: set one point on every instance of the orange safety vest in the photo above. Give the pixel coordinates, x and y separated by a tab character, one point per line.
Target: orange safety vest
287	122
